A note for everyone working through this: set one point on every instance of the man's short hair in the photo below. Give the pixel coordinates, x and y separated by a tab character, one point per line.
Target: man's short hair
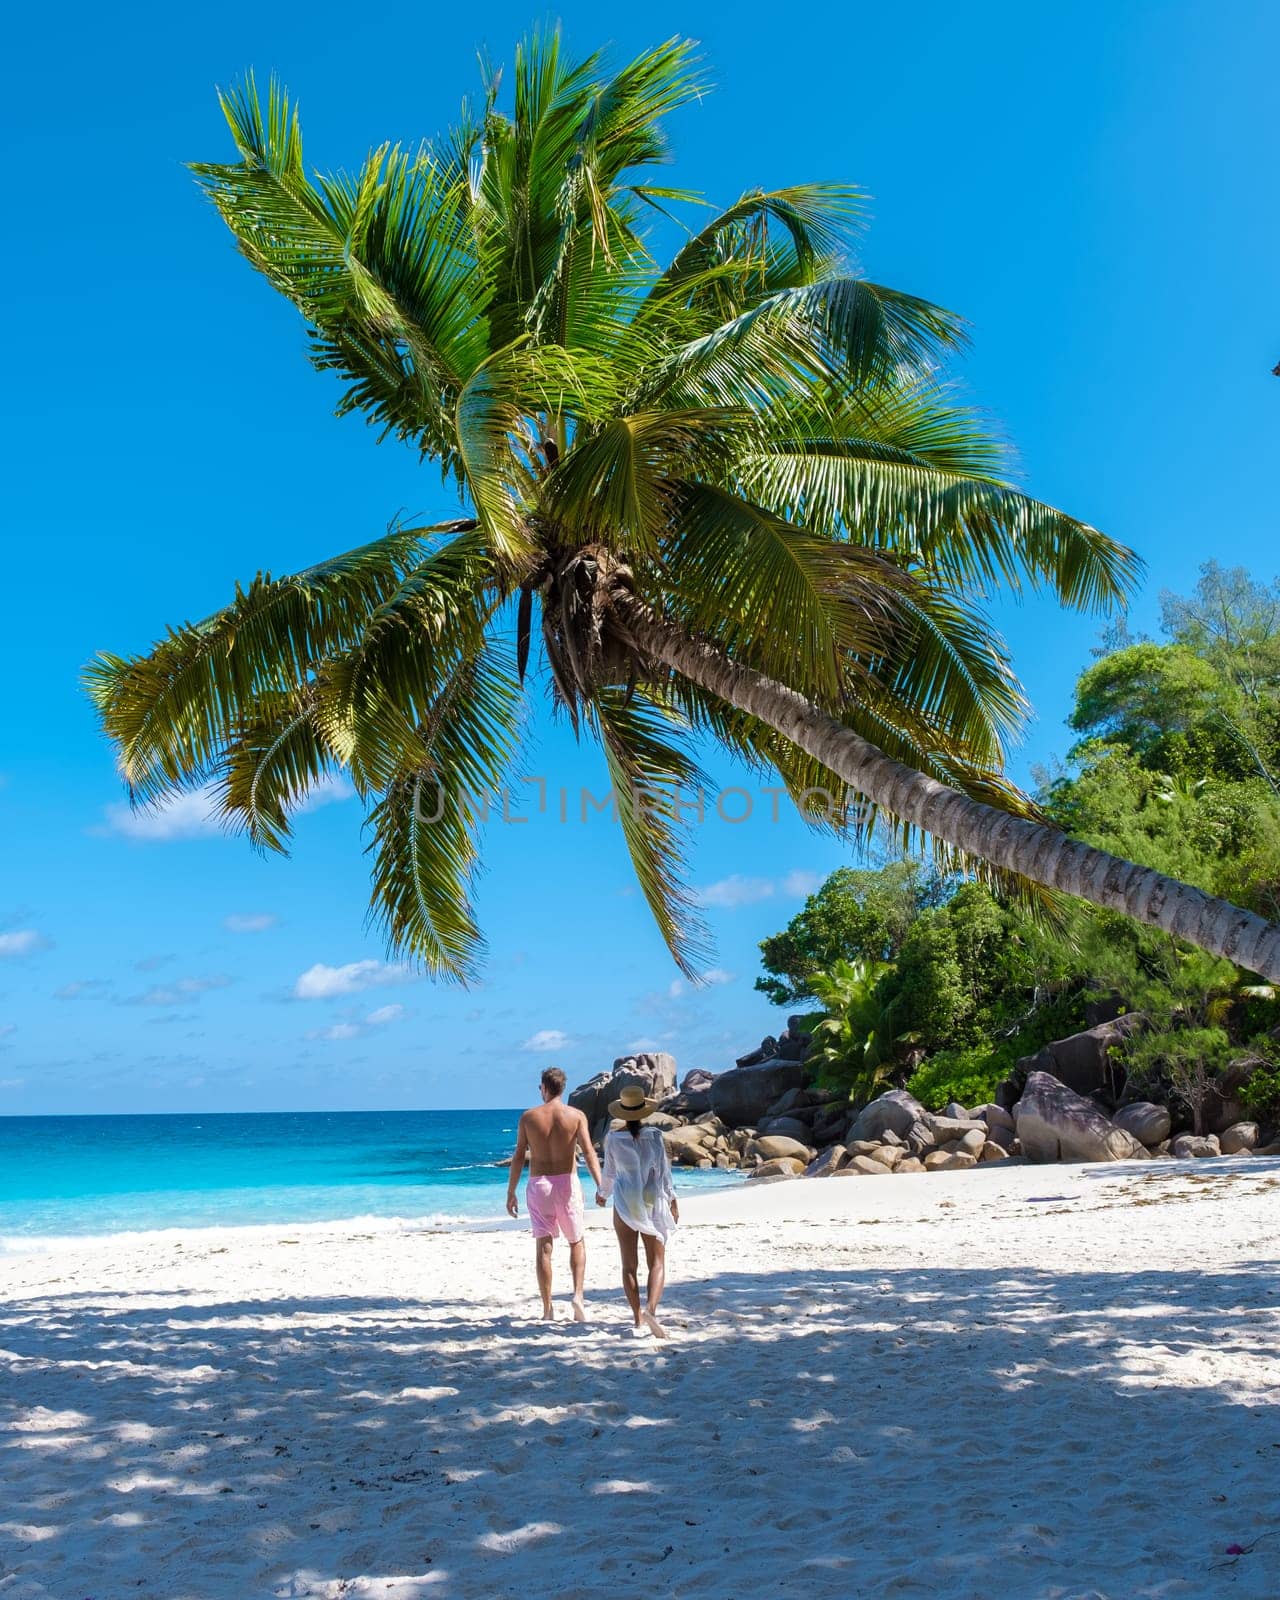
553	1080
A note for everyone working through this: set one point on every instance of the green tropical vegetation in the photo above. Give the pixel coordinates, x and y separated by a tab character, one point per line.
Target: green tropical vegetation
1179	743
722	494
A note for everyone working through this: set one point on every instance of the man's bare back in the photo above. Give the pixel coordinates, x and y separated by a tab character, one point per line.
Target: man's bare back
554	1133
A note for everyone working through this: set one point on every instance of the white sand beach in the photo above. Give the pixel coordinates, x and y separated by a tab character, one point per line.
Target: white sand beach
1029	1382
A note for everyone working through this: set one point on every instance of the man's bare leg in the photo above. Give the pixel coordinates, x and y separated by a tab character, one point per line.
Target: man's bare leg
655	1255
542	1261
578	1266
628	1246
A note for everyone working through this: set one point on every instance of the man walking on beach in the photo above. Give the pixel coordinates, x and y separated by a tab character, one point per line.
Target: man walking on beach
551	1135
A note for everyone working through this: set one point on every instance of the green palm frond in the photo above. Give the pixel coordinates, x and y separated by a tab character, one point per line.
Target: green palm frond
271	766
424	830
907	471
767	241
769	593
172	711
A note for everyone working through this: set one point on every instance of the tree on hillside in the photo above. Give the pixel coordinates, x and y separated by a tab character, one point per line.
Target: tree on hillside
727	494
856	916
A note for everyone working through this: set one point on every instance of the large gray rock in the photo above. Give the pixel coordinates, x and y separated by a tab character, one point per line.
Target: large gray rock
1147	1122
1240	1138
920	1139
789	1127
827	1164
694	1094
949	1161
774	1147
785	1104
655	1074
786	1167
862	1167
895	1110
995	1117
944	1129
678	1138
1055	1124
745	1094
1191	1146
1083	1060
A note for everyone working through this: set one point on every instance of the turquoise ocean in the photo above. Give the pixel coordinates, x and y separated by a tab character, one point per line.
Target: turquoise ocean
64	1178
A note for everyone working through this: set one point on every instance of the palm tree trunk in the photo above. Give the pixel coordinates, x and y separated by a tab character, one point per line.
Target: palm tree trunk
1042	854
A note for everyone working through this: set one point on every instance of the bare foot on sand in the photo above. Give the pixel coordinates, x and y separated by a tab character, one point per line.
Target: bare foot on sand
548	1313
654	1326
639	1331
579	1311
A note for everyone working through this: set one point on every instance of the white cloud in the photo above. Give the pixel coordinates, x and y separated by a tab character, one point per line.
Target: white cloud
637	1046
336	1031
322	982
717	975
194	815
736	890
181	992
546	1039
675	988
181	816
23	942
253	922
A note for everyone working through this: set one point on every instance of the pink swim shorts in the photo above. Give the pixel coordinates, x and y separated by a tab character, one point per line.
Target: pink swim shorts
555	1206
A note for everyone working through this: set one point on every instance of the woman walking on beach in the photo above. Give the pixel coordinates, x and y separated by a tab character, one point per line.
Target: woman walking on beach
637	1177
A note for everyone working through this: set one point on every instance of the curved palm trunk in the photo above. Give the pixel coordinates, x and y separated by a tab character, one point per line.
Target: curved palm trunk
1045	855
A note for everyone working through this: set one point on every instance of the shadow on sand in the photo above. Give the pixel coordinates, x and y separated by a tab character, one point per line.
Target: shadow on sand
916	1431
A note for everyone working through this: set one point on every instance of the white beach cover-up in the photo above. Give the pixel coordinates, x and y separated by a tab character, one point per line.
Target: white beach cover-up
637	1176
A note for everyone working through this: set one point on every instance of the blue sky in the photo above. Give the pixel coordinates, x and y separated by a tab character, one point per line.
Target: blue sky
1091	186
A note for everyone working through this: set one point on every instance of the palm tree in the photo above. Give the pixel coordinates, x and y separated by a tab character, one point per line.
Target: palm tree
731	496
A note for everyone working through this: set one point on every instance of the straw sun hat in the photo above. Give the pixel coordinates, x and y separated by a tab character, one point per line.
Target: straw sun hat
632	1105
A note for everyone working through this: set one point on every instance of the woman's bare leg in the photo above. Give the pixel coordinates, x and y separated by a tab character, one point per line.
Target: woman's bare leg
627	1247
655	1255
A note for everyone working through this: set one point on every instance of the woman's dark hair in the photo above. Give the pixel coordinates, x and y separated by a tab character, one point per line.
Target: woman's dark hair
633	1127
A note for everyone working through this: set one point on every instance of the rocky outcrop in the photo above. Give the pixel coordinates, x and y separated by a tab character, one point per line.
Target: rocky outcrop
895	1111
768	1117
1149	1123
1056	1124
694	1095
1082	1061
742	1097
654	1073
792	1044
